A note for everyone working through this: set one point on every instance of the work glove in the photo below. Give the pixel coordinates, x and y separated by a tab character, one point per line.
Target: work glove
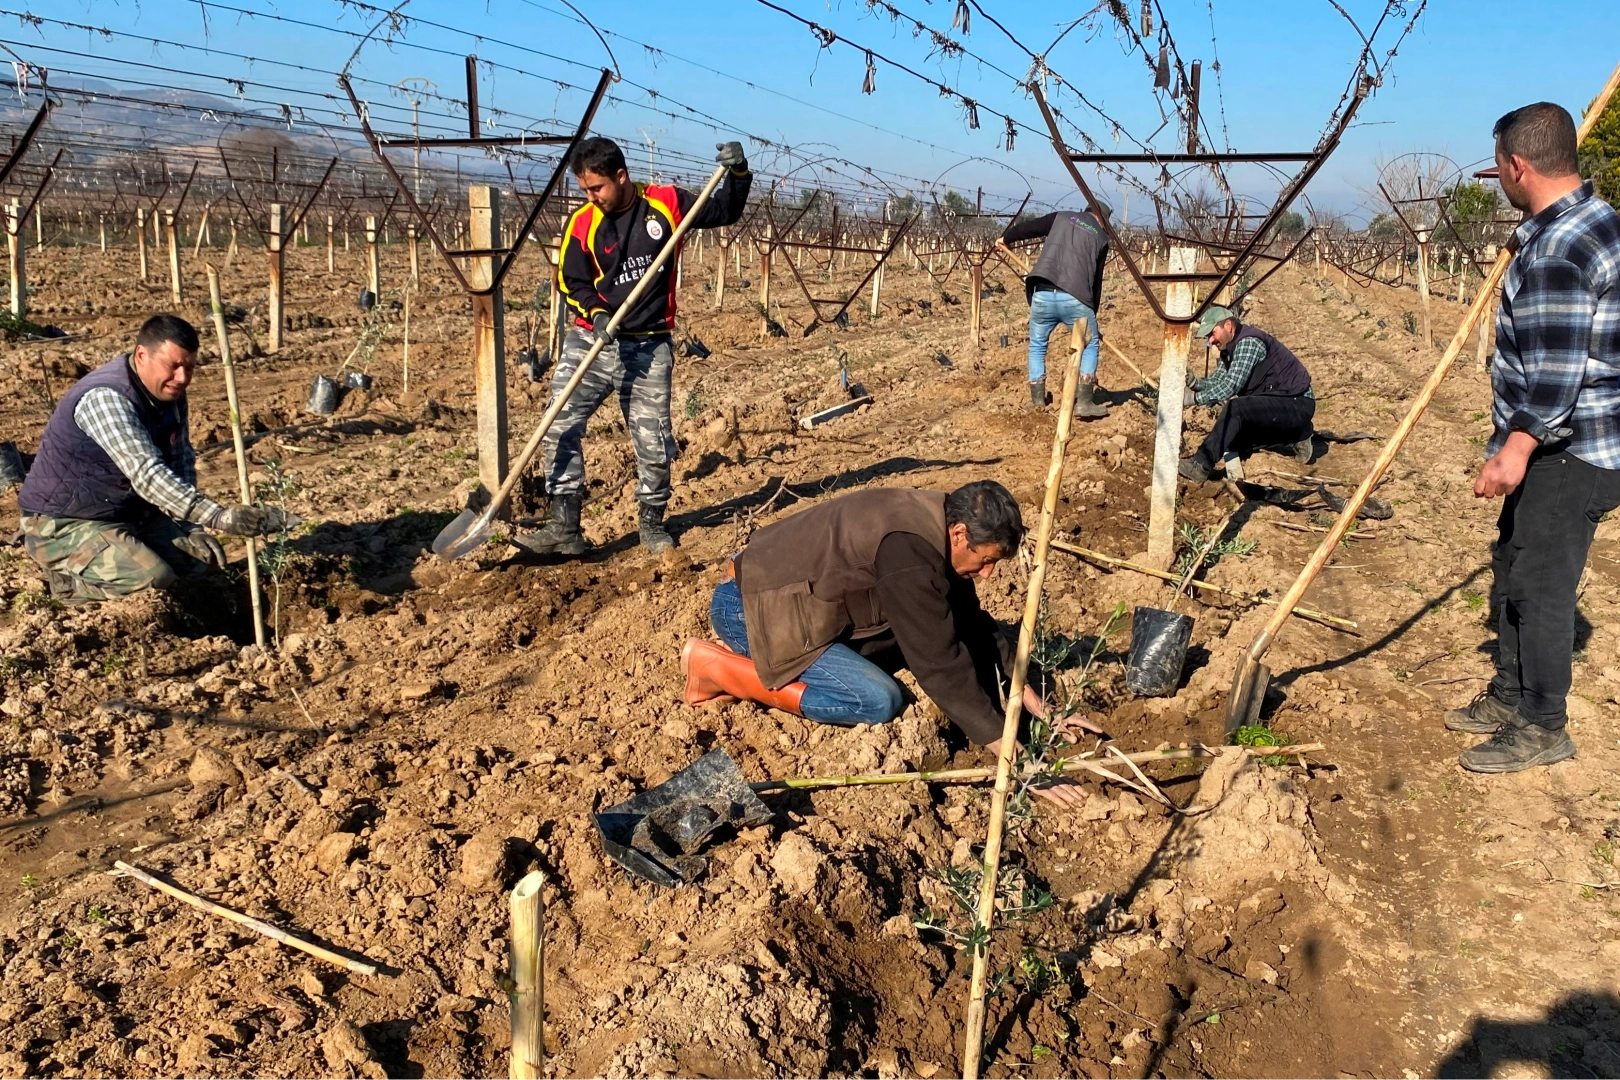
250	520
1192	380
601	330
202	547
1191	399
731	156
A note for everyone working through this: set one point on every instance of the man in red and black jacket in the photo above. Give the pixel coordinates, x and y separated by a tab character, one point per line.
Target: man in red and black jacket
607	248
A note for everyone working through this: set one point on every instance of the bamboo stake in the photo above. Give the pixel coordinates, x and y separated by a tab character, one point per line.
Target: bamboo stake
1125	564
274	933
528	979
973	1050
1144	376
959	776
218	309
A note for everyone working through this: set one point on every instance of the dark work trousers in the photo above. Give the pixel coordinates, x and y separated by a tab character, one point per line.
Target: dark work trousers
1248	423
1543	535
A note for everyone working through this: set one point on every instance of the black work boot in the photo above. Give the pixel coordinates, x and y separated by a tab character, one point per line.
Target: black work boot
1516	746
1193	469
1037	394
560	535
1086	407
1305	449
1485	715
654	537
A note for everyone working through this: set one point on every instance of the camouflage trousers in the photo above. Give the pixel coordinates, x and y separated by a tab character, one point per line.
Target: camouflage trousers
98	560
638	371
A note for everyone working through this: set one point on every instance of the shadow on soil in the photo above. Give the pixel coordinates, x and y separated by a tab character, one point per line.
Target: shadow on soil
1578	1036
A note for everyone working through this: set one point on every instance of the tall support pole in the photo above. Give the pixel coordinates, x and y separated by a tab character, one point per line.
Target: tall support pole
416	262
19	269
371	255
331	261
39	225
877	278
489	337
275	238
101	226
1487	322
1178	302
1423	284
174	256
140	237
218	310
765	283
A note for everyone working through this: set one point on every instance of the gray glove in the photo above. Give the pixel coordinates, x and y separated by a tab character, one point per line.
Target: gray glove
731	156
249	520
601	330
202	547
1191	399
1192	379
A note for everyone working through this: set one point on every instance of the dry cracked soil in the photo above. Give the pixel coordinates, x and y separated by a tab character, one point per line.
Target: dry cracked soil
419	733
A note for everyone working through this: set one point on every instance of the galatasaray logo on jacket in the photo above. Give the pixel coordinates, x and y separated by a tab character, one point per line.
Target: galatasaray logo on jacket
655	228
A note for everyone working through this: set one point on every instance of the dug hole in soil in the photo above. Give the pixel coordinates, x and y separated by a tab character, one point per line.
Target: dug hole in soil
423	733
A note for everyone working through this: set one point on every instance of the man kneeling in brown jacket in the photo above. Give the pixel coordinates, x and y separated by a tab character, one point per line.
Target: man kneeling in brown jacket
821	606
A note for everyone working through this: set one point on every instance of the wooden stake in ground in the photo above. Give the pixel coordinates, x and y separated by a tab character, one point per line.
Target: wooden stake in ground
174	256
991	870
275	933
1178	303
527	962
229	368
405	352
140	237
330	262
372	274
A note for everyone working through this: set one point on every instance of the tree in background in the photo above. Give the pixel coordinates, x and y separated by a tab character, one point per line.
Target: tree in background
1470	206
1385	227
1600	154
953	204
1292	223
901	207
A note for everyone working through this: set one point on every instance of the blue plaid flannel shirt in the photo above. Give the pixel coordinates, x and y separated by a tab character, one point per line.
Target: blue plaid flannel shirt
1556	374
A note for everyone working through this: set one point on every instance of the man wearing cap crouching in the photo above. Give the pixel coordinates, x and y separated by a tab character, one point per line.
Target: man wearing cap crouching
1263	390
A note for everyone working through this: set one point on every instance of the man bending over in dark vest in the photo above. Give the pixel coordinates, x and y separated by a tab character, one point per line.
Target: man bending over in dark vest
1264	391
111	506
822	606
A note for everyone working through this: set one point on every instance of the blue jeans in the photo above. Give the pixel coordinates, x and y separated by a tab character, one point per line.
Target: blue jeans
841	687
1047	309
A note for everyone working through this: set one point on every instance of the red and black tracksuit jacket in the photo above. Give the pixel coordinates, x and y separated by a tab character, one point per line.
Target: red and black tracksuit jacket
604	255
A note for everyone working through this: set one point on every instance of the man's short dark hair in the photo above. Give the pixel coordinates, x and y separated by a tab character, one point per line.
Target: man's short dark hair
990	513
160	328
599	155
1543	135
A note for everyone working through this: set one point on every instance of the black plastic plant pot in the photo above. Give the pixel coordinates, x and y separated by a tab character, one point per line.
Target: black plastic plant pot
323	396
1003	341
1158	651
12	472
357	380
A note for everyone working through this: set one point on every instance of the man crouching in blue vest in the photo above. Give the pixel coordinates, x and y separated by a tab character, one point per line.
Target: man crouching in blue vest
1263	390
111	506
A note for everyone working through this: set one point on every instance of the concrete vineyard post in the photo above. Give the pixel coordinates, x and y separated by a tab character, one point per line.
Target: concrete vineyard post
877	278
1423	284
174	256
1178	302
765	283
274	239
19	269
973	307
101	227
331	263
39	225
527	975
140	238
416	265
371	254
489	335
720	276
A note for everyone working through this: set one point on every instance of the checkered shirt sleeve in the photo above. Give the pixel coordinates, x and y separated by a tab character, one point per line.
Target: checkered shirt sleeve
170	484
1232	375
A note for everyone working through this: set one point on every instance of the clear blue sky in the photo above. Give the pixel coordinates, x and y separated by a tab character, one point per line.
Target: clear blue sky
1283	68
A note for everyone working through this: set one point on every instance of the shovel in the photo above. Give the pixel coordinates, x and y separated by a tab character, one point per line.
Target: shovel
470	530
1253	677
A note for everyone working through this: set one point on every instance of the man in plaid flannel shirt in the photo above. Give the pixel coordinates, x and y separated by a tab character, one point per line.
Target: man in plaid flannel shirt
1554	453
110	505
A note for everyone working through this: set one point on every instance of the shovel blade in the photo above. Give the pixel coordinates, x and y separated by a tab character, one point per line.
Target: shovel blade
1247	695
467	533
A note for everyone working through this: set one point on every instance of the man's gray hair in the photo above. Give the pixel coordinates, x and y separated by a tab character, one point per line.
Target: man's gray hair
1543	135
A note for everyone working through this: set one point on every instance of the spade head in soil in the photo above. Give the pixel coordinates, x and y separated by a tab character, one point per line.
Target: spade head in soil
660	835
